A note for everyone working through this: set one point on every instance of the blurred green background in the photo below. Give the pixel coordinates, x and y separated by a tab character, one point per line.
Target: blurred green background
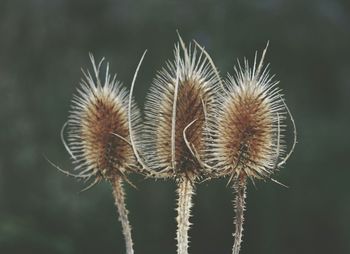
43	45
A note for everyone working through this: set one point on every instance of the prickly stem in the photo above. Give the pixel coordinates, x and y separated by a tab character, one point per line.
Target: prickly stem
119	197
184	204
240	187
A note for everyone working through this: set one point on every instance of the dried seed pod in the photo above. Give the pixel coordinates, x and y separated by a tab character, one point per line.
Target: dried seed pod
175	113
247	132
100	141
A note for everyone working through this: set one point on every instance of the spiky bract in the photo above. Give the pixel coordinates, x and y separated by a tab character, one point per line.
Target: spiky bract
248	124
98	132
175	112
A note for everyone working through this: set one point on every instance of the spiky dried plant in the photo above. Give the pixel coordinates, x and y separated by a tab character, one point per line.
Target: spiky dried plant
103	130
247	133
181	96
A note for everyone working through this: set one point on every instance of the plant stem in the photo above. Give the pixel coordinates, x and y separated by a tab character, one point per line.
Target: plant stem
119	197
184	203
240	187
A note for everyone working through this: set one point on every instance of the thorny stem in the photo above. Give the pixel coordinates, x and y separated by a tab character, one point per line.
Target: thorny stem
240	187
184	203
119	197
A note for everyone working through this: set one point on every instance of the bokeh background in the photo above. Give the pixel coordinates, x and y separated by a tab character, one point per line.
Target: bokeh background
43	45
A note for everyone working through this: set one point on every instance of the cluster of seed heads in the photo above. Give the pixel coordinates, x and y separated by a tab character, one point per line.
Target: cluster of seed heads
197	125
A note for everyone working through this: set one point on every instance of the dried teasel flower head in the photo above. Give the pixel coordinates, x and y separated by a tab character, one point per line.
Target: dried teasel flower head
247	133
249	124
181	96
103	135
99	127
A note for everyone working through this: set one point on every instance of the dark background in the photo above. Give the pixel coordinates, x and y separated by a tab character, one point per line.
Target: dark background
43	45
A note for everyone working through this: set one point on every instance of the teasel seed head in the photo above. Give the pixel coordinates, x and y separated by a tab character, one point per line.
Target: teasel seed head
99	127
175	112
181	96
247	133
249	125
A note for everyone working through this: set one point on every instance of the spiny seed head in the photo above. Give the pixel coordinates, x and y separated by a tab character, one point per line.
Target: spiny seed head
248	126
98	130
175	112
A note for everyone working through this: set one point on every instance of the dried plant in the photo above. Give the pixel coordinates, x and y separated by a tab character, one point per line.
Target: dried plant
103	130
181	96
247	133
195	126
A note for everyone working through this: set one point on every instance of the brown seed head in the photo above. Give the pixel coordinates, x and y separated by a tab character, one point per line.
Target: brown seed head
98	127
249	124
176	109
